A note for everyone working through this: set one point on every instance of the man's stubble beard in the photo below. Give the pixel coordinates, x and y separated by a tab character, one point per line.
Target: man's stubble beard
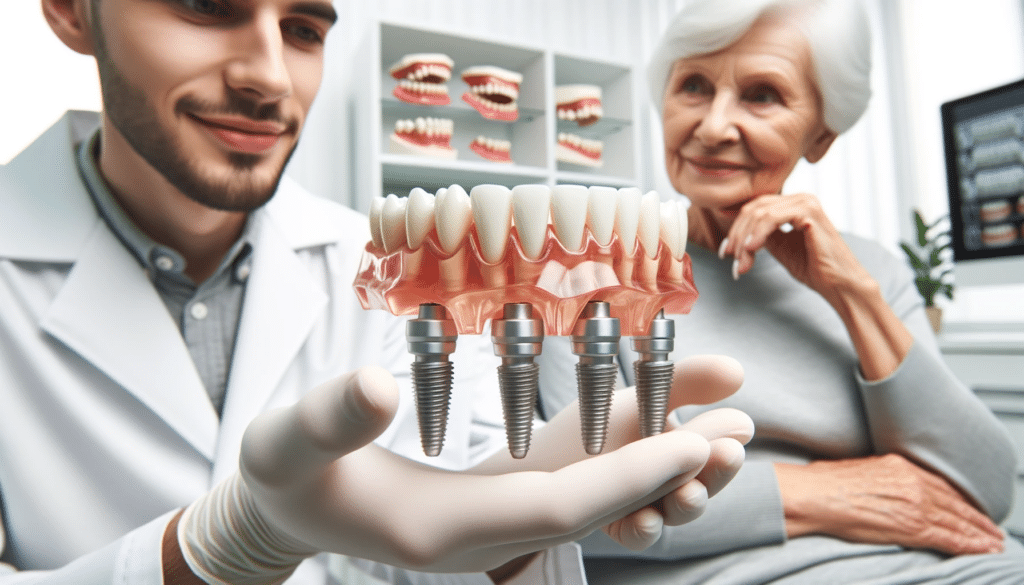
243	189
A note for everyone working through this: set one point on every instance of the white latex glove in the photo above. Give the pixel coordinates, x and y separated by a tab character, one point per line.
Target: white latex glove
312	481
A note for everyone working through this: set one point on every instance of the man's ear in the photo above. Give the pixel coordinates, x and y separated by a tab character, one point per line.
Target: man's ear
820	146
69	20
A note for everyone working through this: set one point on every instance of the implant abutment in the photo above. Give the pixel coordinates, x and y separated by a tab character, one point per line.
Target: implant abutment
653	371
518	338
431	339
595	339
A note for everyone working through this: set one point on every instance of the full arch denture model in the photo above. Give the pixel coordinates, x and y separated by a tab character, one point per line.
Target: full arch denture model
594	263
422	77
493	92
579	103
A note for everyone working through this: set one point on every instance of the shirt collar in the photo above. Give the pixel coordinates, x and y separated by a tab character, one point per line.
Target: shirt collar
154	257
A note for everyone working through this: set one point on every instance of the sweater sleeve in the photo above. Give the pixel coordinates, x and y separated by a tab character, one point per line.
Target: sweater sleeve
747	513
922	411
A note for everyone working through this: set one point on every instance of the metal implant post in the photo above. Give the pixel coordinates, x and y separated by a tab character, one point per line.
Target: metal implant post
517	339
431	339
654	373
595	339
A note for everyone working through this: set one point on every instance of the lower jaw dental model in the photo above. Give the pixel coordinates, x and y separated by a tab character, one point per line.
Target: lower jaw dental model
579	103
422	77
579	151
493	92
423	137
492	149
592	263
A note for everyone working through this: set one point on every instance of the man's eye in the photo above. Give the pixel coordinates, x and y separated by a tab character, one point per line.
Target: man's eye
206	7
304	33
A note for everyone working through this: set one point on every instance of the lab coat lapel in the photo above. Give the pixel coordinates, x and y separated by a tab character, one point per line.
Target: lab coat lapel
109	313
282	303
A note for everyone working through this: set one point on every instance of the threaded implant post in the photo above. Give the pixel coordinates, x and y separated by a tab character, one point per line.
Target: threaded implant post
517	339
431	338
654	373
595	339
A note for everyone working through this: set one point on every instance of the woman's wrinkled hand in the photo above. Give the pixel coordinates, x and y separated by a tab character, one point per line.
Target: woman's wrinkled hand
813	250
883	499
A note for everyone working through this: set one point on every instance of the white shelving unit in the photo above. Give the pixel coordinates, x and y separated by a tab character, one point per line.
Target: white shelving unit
533	135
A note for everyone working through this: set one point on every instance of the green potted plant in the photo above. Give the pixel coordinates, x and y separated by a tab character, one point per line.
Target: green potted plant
931	261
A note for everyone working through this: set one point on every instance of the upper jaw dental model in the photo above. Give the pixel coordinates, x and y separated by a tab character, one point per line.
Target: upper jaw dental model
579	103
595	263
493	92
492	149
424	137
422	77
579	151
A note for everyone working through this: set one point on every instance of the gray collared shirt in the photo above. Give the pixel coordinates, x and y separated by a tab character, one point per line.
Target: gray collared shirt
207	314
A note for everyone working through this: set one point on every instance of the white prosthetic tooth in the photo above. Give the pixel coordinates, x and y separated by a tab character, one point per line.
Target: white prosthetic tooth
419	217
650	223
569	214
531	205
627	218
670	227
453	215
492	212
421	125
392	223
601	213
376	208
684	228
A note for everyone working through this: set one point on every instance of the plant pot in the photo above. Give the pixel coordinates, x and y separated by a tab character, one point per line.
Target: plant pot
934	317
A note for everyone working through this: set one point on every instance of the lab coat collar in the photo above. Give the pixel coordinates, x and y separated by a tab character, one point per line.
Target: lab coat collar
138	344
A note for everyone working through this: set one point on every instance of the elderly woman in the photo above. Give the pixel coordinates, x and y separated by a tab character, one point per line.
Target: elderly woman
871	462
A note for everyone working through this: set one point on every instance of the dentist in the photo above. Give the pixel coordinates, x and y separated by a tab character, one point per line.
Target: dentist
189	389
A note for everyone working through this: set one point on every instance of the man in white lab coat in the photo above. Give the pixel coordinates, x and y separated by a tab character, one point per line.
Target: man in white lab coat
161	287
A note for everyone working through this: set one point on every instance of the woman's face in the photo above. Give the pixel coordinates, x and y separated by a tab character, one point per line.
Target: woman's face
737	121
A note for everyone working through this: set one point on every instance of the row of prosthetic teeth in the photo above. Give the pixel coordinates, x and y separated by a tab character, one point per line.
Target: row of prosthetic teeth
492	149
424	88
572	211
577	150
429	67
493	92
579	103
424	137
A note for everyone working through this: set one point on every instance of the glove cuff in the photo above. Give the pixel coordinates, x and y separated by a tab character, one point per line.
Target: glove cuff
226	541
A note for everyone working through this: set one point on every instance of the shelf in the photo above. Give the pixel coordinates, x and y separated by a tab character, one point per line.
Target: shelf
533	135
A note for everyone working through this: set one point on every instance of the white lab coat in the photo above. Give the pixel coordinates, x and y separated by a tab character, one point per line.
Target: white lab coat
105	427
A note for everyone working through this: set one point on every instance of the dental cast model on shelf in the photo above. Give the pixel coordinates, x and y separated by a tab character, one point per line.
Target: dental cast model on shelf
492	149
594	263
579	103
579	151
493	92
424	137
422	78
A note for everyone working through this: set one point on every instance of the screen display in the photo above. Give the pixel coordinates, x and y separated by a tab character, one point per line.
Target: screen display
984	141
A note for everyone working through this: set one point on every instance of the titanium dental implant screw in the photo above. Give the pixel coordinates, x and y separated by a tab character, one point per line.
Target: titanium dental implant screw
431	338
595	339
654	373
517	339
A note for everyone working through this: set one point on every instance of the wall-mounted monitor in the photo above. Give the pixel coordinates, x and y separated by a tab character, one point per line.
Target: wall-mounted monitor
984	141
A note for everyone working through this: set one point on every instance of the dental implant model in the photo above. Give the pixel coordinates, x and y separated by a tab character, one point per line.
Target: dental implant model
422	77
579	103
595	263
493	92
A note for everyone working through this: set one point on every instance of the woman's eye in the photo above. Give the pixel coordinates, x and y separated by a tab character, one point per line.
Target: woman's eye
764	95
695	84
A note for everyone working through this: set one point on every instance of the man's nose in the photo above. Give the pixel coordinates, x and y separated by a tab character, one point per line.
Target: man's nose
258	69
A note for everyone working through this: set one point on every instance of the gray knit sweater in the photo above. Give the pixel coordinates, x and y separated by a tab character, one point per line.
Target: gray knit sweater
803	390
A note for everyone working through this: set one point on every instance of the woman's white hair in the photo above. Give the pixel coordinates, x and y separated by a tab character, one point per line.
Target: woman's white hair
837	32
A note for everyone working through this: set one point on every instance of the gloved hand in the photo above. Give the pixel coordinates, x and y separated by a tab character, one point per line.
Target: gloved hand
311	481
